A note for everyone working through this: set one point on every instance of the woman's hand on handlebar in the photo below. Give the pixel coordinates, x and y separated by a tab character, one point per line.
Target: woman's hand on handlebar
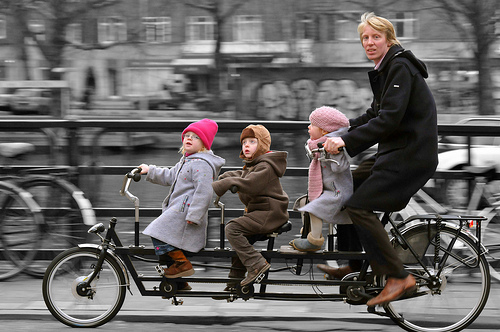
334	145
144	168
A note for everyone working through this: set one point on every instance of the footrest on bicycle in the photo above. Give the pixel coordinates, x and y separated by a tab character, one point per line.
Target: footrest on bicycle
373	310
260	277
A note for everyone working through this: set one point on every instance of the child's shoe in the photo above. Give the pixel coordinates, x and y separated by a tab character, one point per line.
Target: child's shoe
309	244
183	286
230	288
180	268
253	274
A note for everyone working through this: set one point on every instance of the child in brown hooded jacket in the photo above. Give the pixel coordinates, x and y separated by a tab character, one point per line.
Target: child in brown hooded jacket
266	204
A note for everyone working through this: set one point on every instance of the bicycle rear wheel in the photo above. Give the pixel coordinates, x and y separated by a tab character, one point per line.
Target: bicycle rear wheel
449	300
20	220
66	217
89	307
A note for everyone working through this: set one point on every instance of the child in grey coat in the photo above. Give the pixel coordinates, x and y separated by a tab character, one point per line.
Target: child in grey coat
329	182
184	219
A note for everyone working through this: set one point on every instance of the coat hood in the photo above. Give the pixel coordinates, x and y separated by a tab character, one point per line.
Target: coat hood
339	132
277	160
213	160
262	134
398	51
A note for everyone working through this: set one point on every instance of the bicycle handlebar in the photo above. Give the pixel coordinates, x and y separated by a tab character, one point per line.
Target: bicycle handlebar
322	152
135	174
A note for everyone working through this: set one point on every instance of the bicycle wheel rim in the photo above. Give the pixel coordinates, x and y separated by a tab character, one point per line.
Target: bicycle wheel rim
77	309
20	220
461	293
63	226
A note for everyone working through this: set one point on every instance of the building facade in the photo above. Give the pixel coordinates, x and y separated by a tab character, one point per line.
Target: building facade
281	57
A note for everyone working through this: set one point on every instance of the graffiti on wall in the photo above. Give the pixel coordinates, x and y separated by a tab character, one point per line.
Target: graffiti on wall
281	100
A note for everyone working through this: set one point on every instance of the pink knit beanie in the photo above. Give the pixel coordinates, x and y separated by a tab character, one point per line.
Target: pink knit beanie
328	118
205	129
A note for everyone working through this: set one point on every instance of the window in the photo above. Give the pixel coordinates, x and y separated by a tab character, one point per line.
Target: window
74	33
38	28
248	28
404	24
157	29
3	27
327	26
112	29
200	28
305	26
346	27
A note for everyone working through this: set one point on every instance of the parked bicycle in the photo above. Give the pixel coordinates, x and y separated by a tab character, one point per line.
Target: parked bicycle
63	214
86	286
482	201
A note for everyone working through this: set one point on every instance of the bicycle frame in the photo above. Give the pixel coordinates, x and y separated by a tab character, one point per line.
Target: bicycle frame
432	247
112	242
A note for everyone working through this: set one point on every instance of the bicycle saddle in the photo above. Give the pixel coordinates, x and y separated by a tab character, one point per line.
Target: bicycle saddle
13	150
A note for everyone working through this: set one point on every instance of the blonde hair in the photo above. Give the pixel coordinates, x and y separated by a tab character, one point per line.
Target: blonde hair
203	149
379	24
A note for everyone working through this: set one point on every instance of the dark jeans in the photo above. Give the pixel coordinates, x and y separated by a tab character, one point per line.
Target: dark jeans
381	255
368	232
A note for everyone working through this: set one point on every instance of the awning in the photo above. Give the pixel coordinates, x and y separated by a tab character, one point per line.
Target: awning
192	65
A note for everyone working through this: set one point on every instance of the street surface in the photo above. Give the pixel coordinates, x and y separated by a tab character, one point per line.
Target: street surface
22	309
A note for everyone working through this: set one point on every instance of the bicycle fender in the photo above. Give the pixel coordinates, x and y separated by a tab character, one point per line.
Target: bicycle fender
455	227
112	254
85	206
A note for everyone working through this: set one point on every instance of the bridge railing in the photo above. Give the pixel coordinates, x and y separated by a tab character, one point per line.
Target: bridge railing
74	131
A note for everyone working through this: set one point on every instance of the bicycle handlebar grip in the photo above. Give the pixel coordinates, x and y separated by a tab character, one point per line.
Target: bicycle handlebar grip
137	177
234	189
320	146
135	174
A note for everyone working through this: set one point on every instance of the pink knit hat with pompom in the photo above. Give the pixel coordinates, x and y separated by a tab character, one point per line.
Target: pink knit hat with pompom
328	118
205	129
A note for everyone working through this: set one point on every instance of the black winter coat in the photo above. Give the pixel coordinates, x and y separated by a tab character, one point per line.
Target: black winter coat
402	119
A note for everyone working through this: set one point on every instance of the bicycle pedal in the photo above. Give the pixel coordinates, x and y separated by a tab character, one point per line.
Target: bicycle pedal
159	269
259	278
177	301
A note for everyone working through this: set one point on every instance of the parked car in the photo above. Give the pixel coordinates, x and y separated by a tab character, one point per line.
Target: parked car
31	101
485	151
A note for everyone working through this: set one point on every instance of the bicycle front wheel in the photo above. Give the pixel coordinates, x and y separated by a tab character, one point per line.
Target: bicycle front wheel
20	222
453	285
78	307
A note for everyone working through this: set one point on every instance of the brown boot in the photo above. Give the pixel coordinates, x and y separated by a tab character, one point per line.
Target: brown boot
393	290
237	271
255	273
183	286
181	268
334	273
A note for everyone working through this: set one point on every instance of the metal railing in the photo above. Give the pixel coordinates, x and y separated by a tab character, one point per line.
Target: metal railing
74	128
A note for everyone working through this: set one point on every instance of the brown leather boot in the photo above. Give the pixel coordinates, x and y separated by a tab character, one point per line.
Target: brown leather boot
255	273
181	268
393	290
335	273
